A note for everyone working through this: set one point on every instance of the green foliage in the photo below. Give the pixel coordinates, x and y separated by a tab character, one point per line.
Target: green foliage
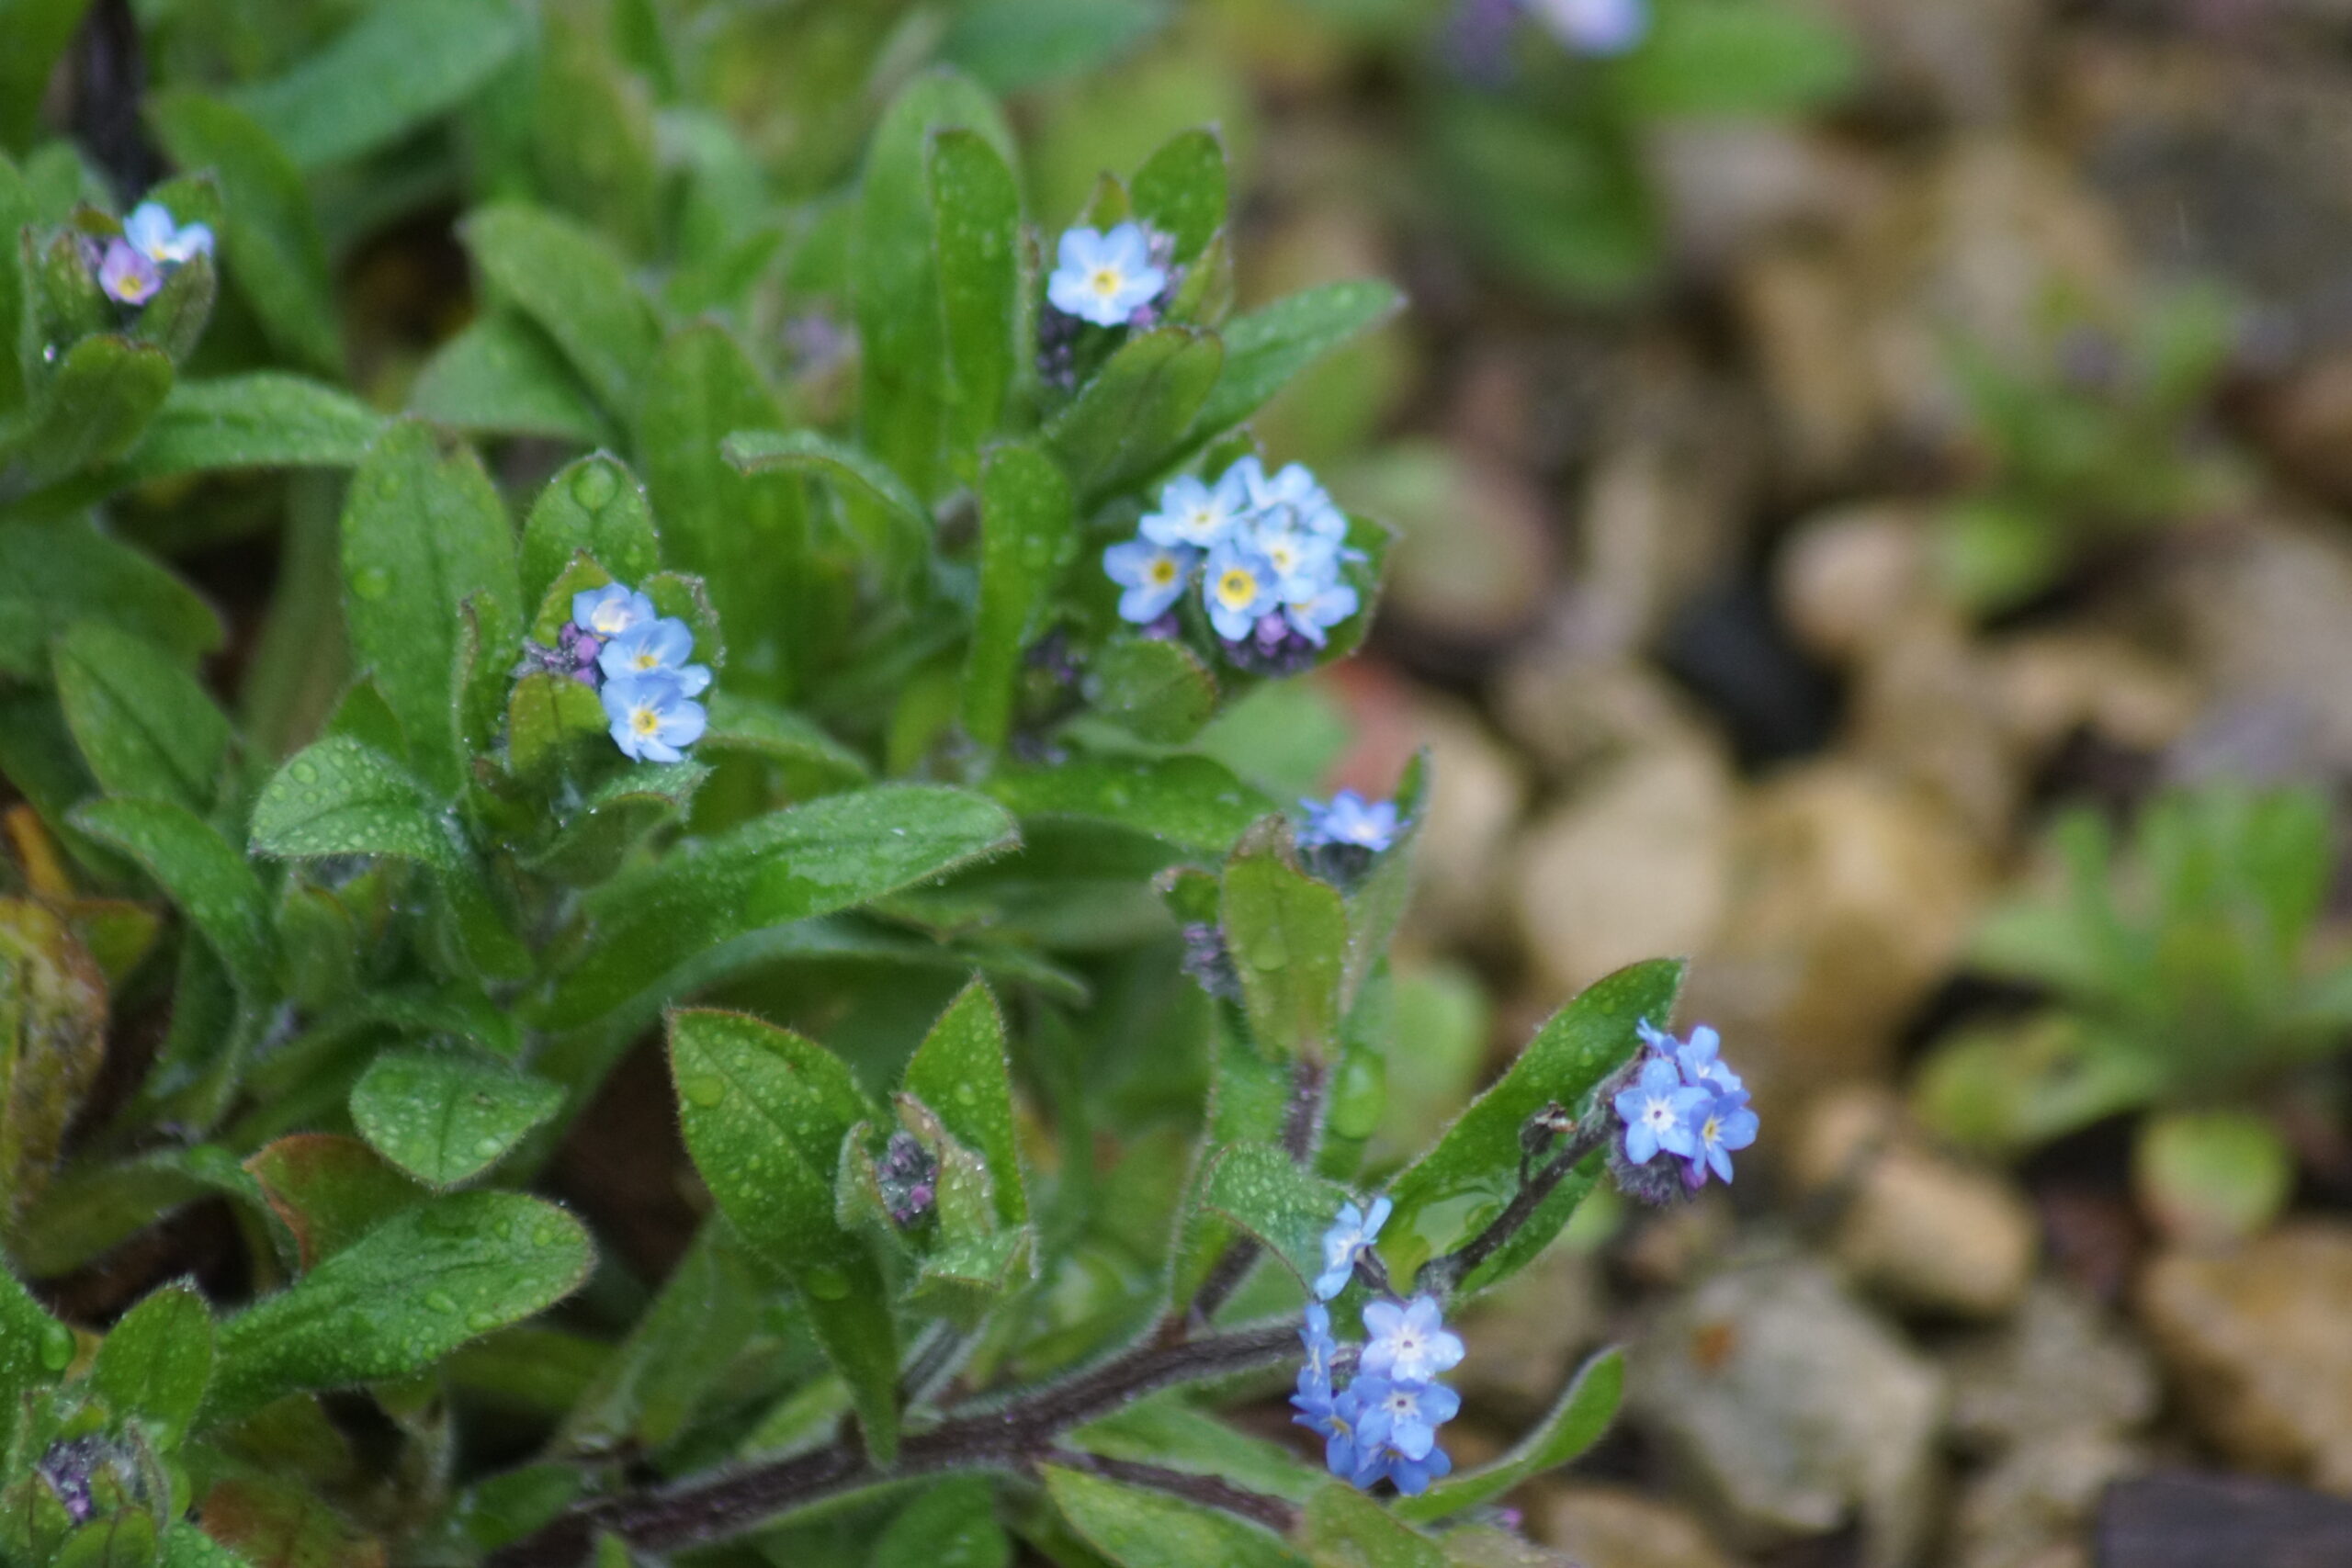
2190	974
348	909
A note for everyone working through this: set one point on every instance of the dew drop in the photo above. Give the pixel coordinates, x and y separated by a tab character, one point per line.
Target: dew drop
827	1284
306	773
372	583
56	1346
592	487
705	1091
441	1301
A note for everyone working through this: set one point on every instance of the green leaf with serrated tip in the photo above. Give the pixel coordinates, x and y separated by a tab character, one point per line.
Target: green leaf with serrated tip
976	239
1136	1527
1180	191
829	855
960	1071
264	420
573	284
1132	418
905	392
1443	1198
391	71
90	413
145	725
1341	1528
1265	348
340	798
503	376
444	1117
53	1042
270	236
1157	690
392	1304
857	475
746	535
764	1113
1028	535
1189	802
1287	933
1267	1193
212	883
593	507
157	1360
1575	1423
952	1524
52	574
423	533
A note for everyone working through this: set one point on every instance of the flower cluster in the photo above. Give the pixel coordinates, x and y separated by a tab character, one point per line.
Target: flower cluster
1268	551
908	1178
152	246
1685	1102
1381	1423
635	657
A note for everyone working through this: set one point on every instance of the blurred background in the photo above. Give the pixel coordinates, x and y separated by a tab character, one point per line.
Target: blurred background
1872	480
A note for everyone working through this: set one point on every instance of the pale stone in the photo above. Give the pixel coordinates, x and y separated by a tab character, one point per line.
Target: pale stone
1616	1527
1849	580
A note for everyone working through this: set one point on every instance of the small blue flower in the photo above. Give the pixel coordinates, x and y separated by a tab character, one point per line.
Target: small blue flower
1315	1334
1405	1415
1104	278
1314	615
662	645
1240	588
153	233
611	609
1723	1125
1701	1061
651	716
1195	513
1601	29
1348	820
1351	1234
1153	575
127	276
1303	562
1410	1343
1659	1112
1294	486
1336	1418
1380	1458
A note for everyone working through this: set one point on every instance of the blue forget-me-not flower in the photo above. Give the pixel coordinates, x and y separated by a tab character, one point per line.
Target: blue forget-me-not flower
1348	820
1405	1414
1601	29
153	233
1196	514
651	717
637	659
1725	1123
611	609
1409	1343
1240	588
128	275
1688	1101
1659	1112
1354	1230
1104	278
1154	576
661	646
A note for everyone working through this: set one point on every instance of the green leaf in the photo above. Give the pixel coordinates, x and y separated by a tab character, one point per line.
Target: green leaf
274	1524
35	1349
745	535
1376	903
423	533
1168	1429
2211	1178
185	1546
708	1310
764	1113
829	855
329	1191
1131	419
38	32
950	1525
341	797
52	1043
271	241
1573	1424
415	1288
1028	535
1267	1193
157	1360
764	730
55	574
1442	1198
145	725
1737	57
1157	690
593	507
976	238
502	376
960	1071
569	282
265	420
213	884
175	319
615	818
444	1117
906	393
1265	348
1010	45
1187	801
861	480
1341	1528
1288	935
550	718
1138	1528
390	71
90	413
1181	191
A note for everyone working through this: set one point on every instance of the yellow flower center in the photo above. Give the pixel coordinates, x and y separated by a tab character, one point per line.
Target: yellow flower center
645	721
1163	572
647	660
1107	281
1237	587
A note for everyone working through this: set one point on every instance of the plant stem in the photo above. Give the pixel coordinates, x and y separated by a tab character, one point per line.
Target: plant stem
1274	1513
1302	1120
1006	1437
1439	1276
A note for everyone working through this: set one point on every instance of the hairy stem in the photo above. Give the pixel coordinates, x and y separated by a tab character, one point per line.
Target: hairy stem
1441	1275
1274	1513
